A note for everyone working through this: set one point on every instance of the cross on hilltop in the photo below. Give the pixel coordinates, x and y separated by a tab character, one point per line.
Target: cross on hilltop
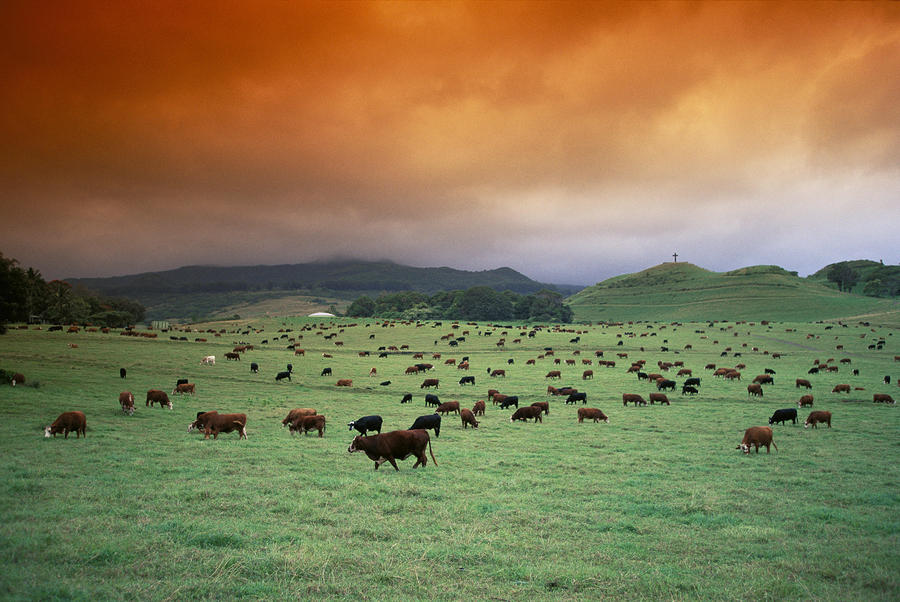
675	257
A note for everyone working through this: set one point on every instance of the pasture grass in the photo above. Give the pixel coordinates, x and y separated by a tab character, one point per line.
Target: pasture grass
657	504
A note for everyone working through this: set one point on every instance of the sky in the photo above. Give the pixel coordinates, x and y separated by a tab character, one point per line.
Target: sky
569	141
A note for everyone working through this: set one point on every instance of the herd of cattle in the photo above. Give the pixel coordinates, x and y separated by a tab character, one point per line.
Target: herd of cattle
390	446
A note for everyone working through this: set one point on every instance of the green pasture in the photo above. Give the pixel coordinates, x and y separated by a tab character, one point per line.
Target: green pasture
657	504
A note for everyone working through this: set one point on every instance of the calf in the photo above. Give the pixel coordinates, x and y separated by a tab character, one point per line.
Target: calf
754	390
806	400
782	416
478	408
225	423
67	422
526	412
633	398
126	400
816	417
467	380
757	436
365	424
428	421
282	375
659	397
432	400
160	397
685	390
304	424
254	367
545	407
468	417
592	413
447	407
407	398
395	445
802	382
122	372
295	414
509	400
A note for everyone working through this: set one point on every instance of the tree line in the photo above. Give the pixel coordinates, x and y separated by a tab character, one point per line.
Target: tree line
25	297
882	281
475	303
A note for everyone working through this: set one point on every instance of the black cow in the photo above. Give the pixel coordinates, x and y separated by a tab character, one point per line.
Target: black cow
282	375
783	416
692	382
663	384
467	380
511	400
366	423
642	375
122	373
254	367
576	397
689	390
887	379
432	400
812	371
428	421
290	368
769	371
385	383
326	372
406	398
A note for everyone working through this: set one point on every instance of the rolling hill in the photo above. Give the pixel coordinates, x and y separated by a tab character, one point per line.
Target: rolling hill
683	291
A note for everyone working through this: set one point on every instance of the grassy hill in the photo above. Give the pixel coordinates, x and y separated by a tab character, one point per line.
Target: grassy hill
683	291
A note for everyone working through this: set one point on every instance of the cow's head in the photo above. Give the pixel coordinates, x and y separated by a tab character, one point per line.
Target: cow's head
353	445
195	424
806	424
47	431
744	448
607	420
351	425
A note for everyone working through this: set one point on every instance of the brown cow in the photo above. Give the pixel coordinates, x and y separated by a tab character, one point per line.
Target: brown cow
296	413
304	424
67	422
882	398
389	447
806	400
841	389
300	352
816	417
543	405
17	379
592	413
233	356
498	373
587	374
754	390
412	370
660	397
478	408
685	372
551	390
764	379
225	423
447	407
200	422
633	398
160	397
184	388
554	374
429	382
802	382
653	377
126	400
468	417
757	436
498	398
732	375
373	372
345	382
526	412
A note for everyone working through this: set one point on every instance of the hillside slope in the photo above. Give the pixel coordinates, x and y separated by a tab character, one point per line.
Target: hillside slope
683	291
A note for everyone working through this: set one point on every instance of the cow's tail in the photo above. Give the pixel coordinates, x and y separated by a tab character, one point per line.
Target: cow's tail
775	446
432	453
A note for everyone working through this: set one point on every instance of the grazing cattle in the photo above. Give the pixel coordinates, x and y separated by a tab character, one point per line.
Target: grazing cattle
200	422
344	382
732	375
592	414
429	382
407	398
802	382
551	390
478	408
384	383
290	368
642	375
467	380
806	400
326	372
633	398
282	375
209	360
526	412
447	407
769	371
300	352
304	424
428	421
468	417
554	374
393	446
297	413
122	372
412	370
424	367
887	379
782	416
757	436
373	372
432	400
181	381
576	397
365	424
816	417
660	397
689	390
882	398
841	389
183	388
254	367
233	356
509	400
663	384
160	397
684	372
587	374
692	382
126	400
67	422
545	406
754	390
225	423
497	373
812	371
764	379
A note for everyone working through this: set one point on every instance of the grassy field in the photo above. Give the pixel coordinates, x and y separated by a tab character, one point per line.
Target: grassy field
657	504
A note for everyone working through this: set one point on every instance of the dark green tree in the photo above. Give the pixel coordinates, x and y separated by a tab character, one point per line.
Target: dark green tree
843	275
364	307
